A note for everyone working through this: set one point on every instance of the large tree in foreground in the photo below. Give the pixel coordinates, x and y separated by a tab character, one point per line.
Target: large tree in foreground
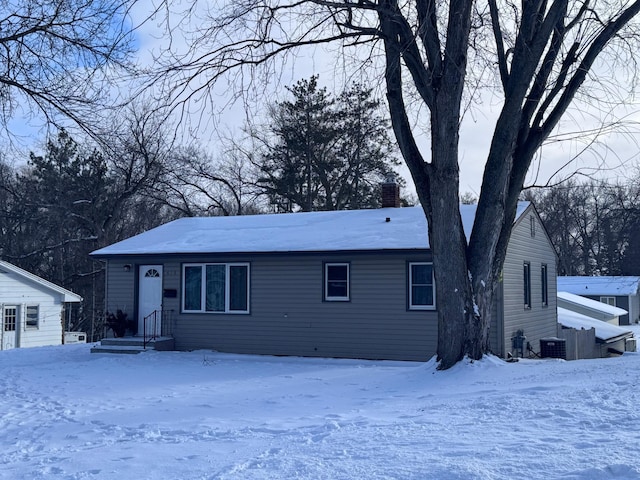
542	53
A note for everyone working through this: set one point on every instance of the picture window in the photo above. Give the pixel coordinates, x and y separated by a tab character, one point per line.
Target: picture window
215	288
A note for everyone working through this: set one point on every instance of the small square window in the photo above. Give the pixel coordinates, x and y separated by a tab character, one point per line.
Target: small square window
336	282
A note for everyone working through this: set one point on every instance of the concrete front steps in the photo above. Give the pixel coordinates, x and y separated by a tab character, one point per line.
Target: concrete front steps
132	345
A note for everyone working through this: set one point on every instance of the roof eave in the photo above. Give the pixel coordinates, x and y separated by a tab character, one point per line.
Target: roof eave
261	253
67	295
614	339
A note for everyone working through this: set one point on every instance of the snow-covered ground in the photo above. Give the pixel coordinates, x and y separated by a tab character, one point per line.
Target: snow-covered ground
68	414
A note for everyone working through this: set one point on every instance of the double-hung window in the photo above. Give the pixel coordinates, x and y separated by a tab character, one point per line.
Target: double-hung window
526	273
609	300
215	287
544	281
336	282
32	317
421	286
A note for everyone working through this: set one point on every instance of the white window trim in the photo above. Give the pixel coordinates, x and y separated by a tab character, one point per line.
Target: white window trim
605	299
227	288
410	286
326	282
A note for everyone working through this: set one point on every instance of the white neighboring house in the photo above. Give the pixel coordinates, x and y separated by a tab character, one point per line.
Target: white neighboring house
623	292
590	328
591	308
31	309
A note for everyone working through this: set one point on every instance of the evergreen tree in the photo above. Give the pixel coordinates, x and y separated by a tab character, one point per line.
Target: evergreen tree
326	153
63	192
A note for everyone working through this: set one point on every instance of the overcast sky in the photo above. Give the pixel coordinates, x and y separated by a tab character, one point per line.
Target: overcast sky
614	154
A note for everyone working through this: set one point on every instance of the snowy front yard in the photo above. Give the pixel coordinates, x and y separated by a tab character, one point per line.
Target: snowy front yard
67	414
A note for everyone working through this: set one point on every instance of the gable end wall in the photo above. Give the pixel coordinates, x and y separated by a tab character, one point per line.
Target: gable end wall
538	321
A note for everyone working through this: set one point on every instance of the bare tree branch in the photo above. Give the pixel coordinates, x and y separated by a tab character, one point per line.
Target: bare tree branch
61	58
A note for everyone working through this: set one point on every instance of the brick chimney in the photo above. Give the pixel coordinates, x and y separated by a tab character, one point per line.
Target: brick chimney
390	193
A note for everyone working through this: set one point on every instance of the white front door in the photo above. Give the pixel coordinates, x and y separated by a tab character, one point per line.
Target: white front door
150	299
9	323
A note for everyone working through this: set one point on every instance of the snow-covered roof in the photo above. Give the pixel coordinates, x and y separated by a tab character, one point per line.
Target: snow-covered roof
599	285
68	295
587	303
604	331
345	230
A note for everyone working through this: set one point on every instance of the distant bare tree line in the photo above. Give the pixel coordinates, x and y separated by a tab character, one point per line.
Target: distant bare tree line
594	225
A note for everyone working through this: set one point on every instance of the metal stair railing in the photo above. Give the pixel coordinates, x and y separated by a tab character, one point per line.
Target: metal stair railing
158	318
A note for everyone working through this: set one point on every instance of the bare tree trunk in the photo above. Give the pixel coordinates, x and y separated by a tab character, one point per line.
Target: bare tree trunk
453	289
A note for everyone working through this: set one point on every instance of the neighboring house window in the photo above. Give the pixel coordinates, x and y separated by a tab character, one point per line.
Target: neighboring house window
32	316
10	319
544	281
609	300
527	285
216	288
336	282
421	286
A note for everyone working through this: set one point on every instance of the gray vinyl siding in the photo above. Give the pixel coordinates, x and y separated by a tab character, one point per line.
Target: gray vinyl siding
622	301
634	309
288	315
538	321
121	287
